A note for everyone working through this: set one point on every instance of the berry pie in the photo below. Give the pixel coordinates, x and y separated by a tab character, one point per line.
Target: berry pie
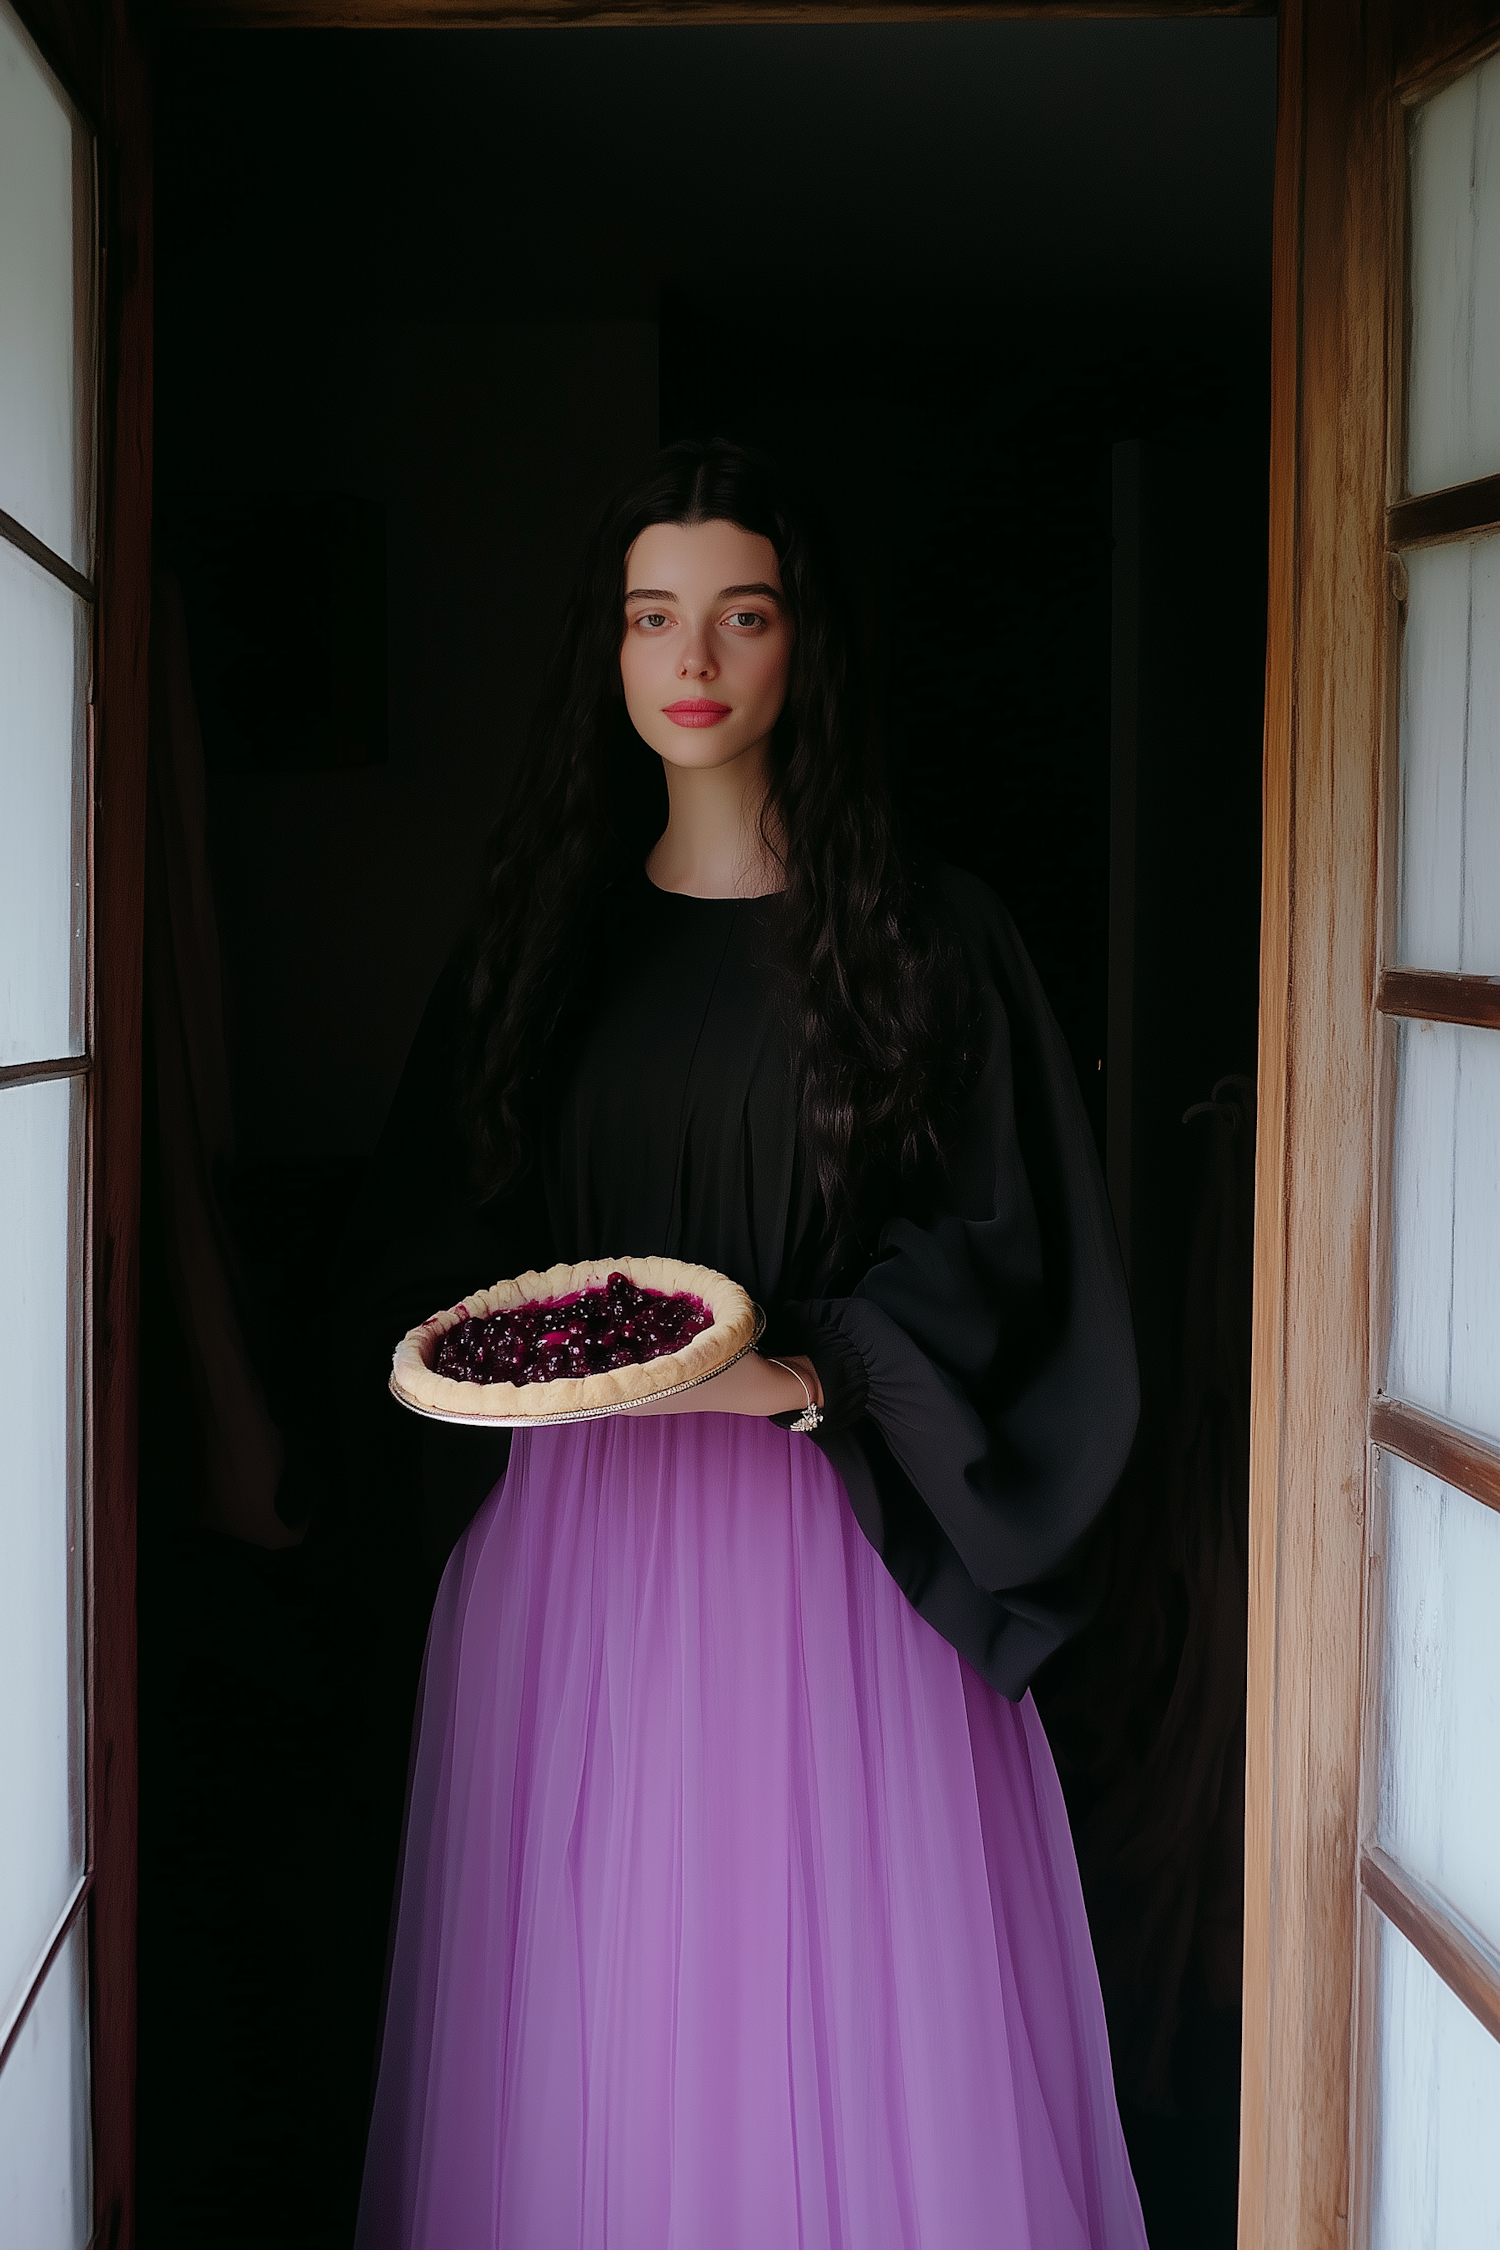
585	1339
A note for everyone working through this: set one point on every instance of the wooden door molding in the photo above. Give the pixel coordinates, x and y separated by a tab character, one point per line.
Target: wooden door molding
435	15
1336	183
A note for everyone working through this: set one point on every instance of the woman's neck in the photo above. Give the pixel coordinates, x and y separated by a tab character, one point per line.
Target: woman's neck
712	846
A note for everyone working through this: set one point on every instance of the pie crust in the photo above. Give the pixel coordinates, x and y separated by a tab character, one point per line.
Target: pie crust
734	1328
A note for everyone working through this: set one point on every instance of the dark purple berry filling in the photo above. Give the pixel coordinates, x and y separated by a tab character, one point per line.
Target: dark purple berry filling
612	1325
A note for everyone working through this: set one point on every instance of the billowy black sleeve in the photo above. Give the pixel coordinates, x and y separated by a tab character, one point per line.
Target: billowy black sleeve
980	1377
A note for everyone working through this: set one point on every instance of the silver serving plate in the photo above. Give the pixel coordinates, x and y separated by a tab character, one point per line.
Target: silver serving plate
579	1413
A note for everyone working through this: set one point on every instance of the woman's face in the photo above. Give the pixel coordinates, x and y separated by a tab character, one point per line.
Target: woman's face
708	643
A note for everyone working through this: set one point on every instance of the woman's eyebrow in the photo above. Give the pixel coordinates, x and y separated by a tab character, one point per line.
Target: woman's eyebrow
726	593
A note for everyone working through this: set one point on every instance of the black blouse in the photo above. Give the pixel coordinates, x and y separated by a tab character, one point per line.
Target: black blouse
978	1366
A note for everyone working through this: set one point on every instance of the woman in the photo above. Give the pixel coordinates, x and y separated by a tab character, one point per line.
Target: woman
737	1903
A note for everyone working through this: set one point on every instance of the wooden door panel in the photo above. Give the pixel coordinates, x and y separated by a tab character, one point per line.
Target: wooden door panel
1332	1917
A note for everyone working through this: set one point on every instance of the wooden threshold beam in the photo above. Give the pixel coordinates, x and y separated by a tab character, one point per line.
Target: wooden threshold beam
1432	996
1467	1966
1456	1457
500	15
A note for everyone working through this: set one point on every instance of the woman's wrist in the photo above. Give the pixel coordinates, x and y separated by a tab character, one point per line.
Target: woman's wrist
809	1416
809	1391
753	1385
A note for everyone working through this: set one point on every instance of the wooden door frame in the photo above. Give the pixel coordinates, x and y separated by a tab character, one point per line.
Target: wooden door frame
1335	218
1308	1478
1338	342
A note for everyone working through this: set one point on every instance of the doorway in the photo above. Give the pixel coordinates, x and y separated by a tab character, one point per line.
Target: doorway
457	283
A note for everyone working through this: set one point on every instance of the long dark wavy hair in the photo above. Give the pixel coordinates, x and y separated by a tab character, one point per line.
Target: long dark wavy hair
874	986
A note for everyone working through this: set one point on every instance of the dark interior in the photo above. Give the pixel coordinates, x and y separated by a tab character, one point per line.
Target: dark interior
1000	293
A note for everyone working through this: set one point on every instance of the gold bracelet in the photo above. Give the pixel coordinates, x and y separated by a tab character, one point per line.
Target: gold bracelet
811	1415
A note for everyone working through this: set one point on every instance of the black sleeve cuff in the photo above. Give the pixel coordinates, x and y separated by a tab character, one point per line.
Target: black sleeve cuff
811	1332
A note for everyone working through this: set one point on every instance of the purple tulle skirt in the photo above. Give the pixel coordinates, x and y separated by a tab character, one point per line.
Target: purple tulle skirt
736	1912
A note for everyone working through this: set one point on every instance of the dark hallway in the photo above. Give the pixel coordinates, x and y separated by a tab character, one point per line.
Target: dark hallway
948	272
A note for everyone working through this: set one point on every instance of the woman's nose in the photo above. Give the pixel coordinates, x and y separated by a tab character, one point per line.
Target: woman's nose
696	663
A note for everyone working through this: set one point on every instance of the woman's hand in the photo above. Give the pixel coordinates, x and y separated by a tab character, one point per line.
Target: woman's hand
752	1386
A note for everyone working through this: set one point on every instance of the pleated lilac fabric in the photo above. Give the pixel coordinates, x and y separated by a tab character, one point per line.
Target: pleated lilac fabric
736	1912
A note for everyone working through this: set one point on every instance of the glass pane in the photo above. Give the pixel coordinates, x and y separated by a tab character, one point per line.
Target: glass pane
1437	2185
1442	1692
41	1672
46	304
1453	410
46	2195
44	670
1445	1266
1450	760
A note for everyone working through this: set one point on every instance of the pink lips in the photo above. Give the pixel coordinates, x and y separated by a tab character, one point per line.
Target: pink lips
696	711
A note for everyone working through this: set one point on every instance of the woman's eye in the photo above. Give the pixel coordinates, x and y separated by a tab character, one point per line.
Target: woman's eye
655	618
746	617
